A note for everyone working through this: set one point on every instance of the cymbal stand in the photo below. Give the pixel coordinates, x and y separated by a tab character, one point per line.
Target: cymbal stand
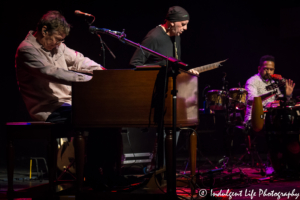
250	146
228	126
229	131
251	151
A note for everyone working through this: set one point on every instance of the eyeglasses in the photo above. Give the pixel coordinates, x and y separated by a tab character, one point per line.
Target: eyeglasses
55	39
58	40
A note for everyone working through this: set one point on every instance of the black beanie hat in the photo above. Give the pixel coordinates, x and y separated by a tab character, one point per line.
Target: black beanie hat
177	13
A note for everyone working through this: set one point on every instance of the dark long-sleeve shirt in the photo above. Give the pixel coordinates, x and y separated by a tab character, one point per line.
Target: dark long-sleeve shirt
157	40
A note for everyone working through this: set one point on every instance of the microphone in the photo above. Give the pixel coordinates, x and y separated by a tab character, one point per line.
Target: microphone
78	12
276	77
279	82
95	29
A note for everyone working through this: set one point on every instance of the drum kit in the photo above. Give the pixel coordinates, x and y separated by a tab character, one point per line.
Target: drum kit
282	117
278	118
231	101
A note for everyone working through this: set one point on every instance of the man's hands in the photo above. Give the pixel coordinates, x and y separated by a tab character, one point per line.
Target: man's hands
289	87
193	71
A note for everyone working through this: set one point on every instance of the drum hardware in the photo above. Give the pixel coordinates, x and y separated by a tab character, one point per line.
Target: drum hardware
251	151
233	102
238	104
255	125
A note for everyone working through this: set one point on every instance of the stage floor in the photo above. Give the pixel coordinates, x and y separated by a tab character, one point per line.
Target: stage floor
240	183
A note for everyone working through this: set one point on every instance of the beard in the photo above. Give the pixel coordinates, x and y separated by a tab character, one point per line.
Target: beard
266	76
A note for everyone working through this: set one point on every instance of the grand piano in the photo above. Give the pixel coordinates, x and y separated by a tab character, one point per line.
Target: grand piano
133	98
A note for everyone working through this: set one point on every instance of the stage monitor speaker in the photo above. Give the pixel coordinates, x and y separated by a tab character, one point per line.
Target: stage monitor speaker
138	145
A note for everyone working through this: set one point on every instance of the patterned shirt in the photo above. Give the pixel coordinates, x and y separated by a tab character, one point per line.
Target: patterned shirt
45	77
256	86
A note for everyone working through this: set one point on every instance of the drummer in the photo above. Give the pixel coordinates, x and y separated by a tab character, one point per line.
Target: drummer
256	85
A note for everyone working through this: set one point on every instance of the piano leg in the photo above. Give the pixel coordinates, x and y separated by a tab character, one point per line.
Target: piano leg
79	144
119	153
10	152
193	159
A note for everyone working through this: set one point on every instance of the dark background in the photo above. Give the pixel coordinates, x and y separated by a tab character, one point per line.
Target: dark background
242	31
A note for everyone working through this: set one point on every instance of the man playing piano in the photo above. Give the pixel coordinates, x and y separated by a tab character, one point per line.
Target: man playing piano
256	86
45	69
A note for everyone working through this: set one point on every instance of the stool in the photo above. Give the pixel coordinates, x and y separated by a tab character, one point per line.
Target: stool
35	130
37	165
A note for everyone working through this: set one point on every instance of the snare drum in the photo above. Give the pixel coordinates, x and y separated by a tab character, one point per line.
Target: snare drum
238	97
216	99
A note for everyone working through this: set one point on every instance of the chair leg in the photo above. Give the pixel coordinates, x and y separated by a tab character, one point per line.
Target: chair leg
47	171
37	168
52	162
10	168
79	144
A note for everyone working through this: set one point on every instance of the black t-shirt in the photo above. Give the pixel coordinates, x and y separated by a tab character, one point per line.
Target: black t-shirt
156	40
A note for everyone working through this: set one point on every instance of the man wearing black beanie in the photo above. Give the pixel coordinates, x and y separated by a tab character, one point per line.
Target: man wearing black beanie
164	39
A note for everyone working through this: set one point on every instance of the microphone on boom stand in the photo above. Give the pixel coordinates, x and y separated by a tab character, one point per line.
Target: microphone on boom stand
104	30
78	12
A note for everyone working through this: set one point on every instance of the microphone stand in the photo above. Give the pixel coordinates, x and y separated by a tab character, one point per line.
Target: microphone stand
205	106
172	188
122	38
171	134
225	88
103	50
284	110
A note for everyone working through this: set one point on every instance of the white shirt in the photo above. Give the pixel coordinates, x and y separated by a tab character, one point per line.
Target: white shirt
45	78
256	86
